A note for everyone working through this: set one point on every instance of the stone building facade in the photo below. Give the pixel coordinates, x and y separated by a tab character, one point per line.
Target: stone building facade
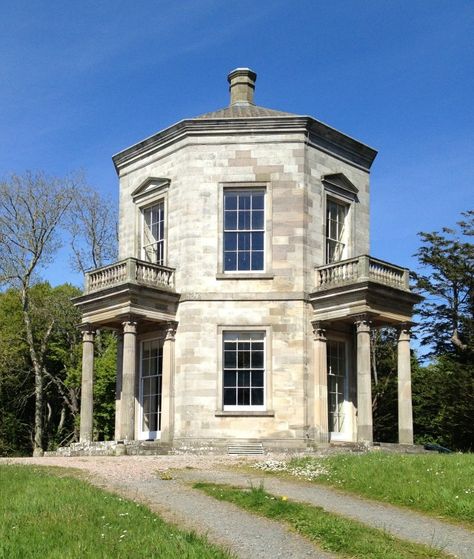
244	293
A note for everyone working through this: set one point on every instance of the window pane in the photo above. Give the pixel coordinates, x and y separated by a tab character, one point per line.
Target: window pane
258	201
243	396
257	359
230	379
257	260
244	260
230	261
230	201
257	396
230	241
230	220
244	379
230	359
244	359
244	201
244	220
244	241
257	220
230	395
257	241
257	378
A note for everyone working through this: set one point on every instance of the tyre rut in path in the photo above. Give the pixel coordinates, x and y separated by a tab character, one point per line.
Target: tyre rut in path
402	523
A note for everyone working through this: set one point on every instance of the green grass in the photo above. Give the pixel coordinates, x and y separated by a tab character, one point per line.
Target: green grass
53	516
329	531
441	485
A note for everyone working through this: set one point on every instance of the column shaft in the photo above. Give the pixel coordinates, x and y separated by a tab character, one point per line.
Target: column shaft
364	387
320	417
127	401
87	386
118	384
405	412
167	388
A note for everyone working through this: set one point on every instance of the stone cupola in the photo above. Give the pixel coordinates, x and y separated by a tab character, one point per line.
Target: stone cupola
242	86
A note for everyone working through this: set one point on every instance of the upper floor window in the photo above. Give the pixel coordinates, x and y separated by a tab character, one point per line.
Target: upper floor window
153	239
336	214
244	230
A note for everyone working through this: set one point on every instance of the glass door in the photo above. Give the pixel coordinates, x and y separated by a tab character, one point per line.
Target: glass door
151	363
337	389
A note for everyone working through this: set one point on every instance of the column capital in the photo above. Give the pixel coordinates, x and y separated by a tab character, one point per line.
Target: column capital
319	331
88	334
404	332
171	331
362	323
129	327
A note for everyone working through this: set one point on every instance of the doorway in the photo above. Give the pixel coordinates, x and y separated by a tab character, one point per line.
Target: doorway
151	370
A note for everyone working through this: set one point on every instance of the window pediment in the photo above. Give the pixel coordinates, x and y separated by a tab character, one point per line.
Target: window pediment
340	183
151	185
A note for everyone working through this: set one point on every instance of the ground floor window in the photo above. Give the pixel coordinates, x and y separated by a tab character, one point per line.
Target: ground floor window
337	366
244	370
151	368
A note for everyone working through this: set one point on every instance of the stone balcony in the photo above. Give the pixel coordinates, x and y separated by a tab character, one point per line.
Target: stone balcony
363	285
360	269
130	270
128	288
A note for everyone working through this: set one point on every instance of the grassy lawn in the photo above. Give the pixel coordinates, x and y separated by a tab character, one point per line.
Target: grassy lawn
441	485
53	516
331	532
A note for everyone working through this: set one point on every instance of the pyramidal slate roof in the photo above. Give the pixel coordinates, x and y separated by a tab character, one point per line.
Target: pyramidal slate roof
243	111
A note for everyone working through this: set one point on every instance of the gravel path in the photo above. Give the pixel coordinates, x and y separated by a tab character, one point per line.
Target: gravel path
248	536
400	522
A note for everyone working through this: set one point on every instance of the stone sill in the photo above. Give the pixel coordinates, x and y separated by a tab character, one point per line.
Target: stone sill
243	413
244	276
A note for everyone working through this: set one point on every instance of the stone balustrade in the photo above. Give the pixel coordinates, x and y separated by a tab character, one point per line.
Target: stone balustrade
130	270
359	269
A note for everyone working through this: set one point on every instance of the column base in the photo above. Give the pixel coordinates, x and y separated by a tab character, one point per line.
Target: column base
365	434
405	436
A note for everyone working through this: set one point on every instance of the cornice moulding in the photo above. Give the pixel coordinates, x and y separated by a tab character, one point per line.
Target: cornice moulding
318	135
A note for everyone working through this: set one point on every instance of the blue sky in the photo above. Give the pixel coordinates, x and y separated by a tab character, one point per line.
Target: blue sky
82	80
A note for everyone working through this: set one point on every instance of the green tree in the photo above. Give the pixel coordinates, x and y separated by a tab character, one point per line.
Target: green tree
50	310
443	391
447	258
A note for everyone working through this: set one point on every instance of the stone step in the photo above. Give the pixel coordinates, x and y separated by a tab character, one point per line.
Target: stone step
246	449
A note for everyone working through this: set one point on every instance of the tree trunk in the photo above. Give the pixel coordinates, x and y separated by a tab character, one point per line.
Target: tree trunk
38	372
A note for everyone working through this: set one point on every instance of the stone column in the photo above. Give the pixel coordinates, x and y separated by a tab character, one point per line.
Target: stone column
127	402
364	387
320	382
167	387
87	386
118	384
405	413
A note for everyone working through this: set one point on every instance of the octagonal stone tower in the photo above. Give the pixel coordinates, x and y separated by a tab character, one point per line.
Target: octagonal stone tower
244	294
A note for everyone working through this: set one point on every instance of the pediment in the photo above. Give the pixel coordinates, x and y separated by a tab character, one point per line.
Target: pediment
150	185
340	181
